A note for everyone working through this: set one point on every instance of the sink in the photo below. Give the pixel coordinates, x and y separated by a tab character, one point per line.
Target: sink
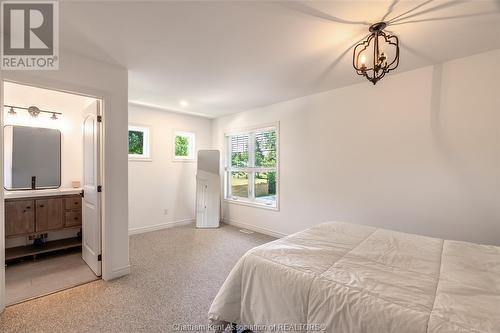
41	193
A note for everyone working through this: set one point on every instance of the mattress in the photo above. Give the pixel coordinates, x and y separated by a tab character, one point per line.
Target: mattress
341	277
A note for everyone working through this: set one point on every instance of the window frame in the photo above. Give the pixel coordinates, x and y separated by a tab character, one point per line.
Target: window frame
191	147
146	144
251	170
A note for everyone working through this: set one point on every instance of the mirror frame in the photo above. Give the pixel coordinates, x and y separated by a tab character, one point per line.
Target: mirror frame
60	161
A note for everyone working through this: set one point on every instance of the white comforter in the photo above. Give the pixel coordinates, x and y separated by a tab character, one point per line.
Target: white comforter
351	278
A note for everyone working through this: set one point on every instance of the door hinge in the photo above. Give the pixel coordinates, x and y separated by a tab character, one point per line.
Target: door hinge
82	194
99	188
99	119
99	257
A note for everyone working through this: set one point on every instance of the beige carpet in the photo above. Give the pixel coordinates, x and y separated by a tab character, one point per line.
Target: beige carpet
176	273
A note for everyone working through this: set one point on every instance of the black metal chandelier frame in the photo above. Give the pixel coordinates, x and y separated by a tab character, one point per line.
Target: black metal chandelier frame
380	65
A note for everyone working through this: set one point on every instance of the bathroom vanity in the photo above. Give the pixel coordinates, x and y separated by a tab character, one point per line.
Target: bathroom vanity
39	213
34	213
29	213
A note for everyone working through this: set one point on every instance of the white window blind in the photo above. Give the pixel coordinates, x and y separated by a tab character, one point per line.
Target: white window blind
239	150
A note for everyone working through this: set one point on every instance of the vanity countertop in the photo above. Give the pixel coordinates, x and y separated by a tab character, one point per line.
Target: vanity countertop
41	193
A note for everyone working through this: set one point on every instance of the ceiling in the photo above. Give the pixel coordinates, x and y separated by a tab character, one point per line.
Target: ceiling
226	57
70	105
45	99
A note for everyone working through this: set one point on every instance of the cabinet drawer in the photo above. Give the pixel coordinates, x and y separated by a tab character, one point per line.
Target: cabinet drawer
73	203
19	217
72	219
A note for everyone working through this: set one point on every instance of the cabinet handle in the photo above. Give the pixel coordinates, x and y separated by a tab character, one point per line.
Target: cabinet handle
76	218
41	206
76	203
29	207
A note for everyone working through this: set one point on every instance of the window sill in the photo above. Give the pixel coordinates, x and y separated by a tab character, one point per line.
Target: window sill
140	159
191	160
254	204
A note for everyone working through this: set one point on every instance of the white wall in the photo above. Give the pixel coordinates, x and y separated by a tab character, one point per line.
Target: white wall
84	75
419	152
163	184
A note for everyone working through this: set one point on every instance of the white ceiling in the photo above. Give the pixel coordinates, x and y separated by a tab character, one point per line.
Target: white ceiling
226	57
45	99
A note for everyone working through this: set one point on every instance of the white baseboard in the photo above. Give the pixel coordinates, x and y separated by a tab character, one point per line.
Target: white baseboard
261	230
154	227
117	273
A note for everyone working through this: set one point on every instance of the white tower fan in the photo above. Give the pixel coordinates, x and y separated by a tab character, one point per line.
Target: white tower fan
208	189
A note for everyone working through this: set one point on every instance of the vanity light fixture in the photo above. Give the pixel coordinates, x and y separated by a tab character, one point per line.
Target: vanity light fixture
370	57
33	111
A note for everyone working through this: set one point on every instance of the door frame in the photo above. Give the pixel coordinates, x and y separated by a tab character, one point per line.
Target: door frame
54	85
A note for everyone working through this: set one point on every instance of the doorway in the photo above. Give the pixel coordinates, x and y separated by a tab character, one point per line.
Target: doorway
52	176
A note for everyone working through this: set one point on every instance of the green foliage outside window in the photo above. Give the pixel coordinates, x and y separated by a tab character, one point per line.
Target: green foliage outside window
135	142
239	159
181	146
265	150
265	156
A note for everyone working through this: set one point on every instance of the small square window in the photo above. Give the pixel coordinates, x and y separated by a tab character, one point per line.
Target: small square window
138	143
184	146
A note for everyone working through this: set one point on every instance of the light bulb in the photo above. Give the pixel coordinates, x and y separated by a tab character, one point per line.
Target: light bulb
363	63
33	111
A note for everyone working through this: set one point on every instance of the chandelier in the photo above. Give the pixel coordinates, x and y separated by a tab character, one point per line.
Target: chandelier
377	55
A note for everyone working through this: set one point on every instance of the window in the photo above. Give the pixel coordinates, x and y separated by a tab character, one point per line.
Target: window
252	167
184	149
138	143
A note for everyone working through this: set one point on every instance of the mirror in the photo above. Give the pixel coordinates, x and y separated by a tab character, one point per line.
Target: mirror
209	160
32	158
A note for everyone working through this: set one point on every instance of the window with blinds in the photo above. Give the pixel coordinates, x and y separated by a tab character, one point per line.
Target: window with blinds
239	151
252	167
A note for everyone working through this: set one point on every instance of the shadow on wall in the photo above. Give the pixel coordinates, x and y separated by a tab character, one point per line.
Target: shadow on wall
438	129
400	19
435	114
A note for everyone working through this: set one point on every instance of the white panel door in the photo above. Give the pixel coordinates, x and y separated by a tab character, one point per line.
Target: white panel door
91	209
201	203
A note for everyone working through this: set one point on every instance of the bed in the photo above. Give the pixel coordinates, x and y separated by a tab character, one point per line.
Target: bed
341	277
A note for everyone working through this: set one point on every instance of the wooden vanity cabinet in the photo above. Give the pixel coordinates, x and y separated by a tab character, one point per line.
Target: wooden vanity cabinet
33	215
19	217
49	214
72	211
73	203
